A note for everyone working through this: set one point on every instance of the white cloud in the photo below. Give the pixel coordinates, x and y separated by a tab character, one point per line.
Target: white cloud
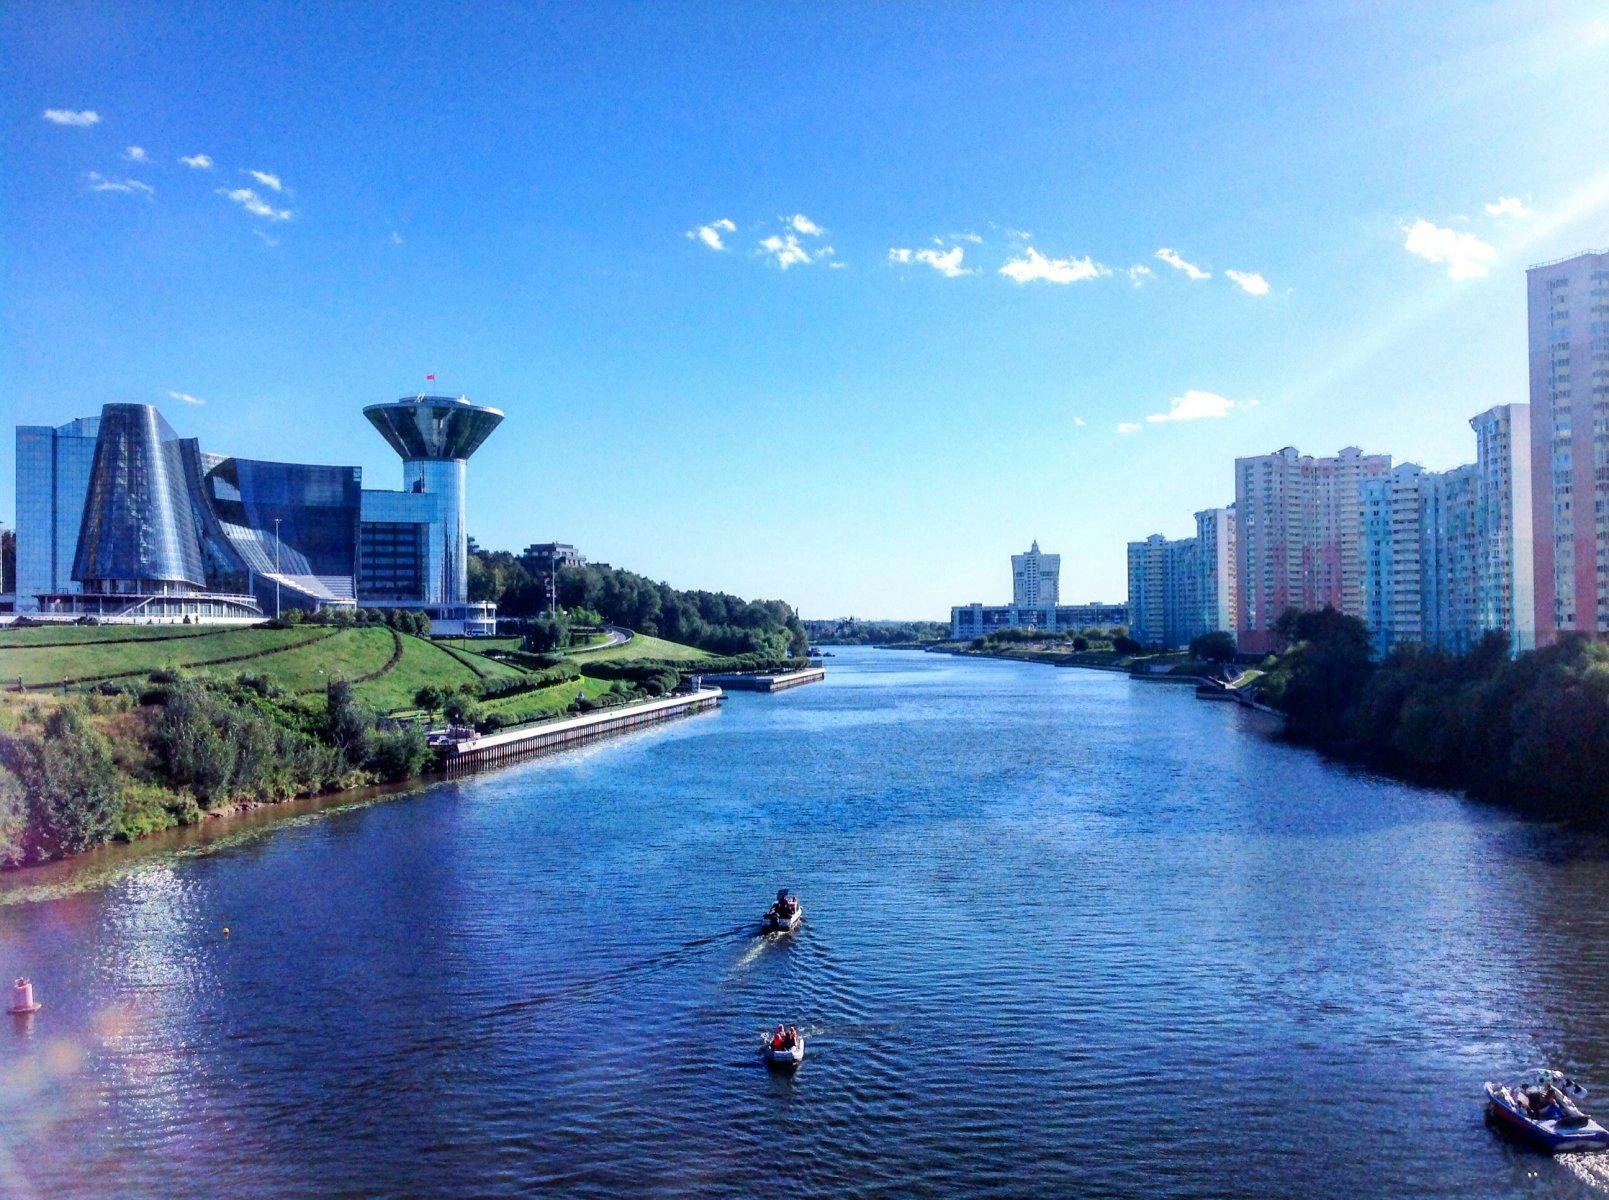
255	204
1139	274
1464	254
1129	427
1171	257
1034	265
1079	421
786	250
136	154
396	238
946	263
267	180
1249	281
1509	206
200	162
187	397
967	237
800	223
99	183
67	116
1197	405
267	241
710	234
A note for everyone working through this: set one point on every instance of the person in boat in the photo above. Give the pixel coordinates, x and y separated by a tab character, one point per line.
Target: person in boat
779	1039
793	1037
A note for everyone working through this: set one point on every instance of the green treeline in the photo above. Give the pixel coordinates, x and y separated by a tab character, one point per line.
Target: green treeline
713	621
880	633
1530	732
124	762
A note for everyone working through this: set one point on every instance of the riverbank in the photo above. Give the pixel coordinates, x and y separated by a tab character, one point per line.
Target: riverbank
425	998
117	732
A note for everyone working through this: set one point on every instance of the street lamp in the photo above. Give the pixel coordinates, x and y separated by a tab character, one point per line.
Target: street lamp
276	568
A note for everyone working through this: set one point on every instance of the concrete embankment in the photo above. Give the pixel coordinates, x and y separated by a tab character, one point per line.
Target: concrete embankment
496	749
778	682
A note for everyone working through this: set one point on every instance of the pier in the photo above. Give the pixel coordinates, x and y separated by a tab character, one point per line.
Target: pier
779	681
497	749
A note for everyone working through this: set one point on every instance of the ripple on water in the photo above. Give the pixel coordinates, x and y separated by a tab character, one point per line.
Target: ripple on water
1066	934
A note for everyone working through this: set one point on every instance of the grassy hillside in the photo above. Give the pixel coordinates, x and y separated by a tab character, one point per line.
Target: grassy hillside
302	661
26	657
643	646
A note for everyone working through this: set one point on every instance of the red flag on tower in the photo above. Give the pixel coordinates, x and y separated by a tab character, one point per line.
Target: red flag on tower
431	377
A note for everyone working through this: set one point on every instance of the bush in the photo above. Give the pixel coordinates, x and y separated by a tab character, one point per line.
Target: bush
69	784
1124	644
1080	644
1214	647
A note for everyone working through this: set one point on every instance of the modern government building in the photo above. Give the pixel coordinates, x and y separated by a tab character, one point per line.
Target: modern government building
120	518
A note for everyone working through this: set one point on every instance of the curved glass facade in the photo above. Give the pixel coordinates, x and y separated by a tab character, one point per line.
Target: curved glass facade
433	426
139	526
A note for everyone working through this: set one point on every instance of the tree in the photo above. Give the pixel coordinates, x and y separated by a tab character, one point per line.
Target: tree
429	699
1214	647
1124	644
1080	644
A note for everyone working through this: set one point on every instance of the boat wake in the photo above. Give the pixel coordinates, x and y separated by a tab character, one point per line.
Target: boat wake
1590	1169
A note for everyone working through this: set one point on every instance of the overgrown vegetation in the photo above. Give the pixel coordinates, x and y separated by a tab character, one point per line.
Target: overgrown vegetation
1530	732
128	761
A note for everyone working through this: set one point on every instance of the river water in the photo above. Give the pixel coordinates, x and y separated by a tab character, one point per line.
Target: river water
1065	934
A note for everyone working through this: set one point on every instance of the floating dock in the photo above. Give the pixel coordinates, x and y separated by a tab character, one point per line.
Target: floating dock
776	682
497	749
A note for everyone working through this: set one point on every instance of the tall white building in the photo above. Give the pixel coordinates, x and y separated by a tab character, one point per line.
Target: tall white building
1447	555
1505	596
1035	579
1164	600
1216	568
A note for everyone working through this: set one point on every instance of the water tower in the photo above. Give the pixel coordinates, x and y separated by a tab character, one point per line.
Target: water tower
435	435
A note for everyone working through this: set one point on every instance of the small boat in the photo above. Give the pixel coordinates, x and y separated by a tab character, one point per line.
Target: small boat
786	1059
1539	1108
780	922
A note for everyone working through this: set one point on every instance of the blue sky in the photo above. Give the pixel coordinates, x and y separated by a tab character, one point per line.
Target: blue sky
953	257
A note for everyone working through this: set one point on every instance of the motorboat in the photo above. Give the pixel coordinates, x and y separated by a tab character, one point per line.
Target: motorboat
788	1058
1539	1108
783	916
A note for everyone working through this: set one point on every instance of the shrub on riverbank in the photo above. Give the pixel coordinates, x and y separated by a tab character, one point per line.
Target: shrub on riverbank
1530	732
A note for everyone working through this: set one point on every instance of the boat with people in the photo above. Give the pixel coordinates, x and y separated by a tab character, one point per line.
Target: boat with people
1540	1108
784	1050
784	914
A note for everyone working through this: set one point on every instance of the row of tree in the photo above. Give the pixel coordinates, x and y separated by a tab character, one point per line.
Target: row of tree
1531	732
715	621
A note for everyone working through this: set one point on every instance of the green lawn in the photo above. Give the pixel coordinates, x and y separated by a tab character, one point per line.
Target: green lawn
545	702
423	662
346	654
52	635
643	646
99	657
481	645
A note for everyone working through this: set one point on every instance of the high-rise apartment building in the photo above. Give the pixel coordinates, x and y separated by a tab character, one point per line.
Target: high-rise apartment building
1216	568
1035	579
1299	534
53	469
1392	546
1568	304
1504	569
1447	554
1164	591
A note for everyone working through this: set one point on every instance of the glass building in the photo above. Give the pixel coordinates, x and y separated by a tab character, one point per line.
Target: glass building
53	467
119	517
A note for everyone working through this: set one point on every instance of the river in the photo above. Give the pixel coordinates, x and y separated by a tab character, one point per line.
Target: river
1065	934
